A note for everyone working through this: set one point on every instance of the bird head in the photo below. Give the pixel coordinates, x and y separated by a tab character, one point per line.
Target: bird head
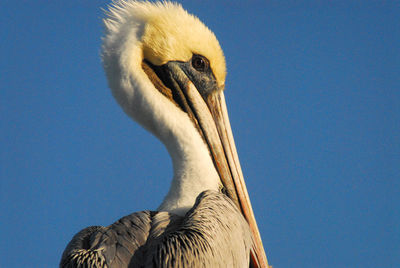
172	34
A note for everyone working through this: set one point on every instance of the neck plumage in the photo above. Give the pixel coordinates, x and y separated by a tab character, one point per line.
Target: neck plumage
194	171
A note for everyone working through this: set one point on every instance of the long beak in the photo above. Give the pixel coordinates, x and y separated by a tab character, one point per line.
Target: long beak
209	113
212	116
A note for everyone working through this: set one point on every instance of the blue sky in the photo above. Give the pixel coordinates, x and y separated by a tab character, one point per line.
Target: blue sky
313	94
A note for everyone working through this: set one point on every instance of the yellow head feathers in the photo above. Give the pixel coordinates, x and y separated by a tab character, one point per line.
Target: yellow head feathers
170	34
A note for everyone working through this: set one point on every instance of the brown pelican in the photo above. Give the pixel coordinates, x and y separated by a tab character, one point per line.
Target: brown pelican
167	71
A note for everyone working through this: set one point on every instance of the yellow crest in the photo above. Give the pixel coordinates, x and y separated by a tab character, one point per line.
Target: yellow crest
172	34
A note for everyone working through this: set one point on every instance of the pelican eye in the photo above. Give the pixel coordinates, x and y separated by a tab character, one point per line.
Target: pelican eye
200	63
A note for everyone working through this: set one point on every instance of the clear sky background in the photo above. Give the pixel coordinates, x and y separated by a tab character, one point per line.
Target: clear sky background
313	93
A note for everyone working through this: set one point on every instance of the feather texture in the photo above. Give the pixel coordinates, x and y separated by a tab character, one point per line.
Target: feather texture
212	234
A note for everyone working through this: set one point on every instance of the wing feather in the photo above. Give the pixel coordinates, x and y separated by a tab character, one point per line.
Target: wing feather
212	234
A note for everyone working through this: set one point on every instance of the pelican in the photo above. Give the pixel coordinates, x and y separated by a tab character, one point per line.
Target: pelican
167	71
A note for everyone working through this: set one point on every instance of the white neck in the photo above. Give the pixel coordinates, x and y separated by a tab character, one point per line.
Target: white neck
194	171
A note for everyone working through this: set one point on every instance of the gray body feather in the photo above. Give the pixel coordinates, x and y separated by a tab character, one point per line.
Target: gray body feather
212	234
